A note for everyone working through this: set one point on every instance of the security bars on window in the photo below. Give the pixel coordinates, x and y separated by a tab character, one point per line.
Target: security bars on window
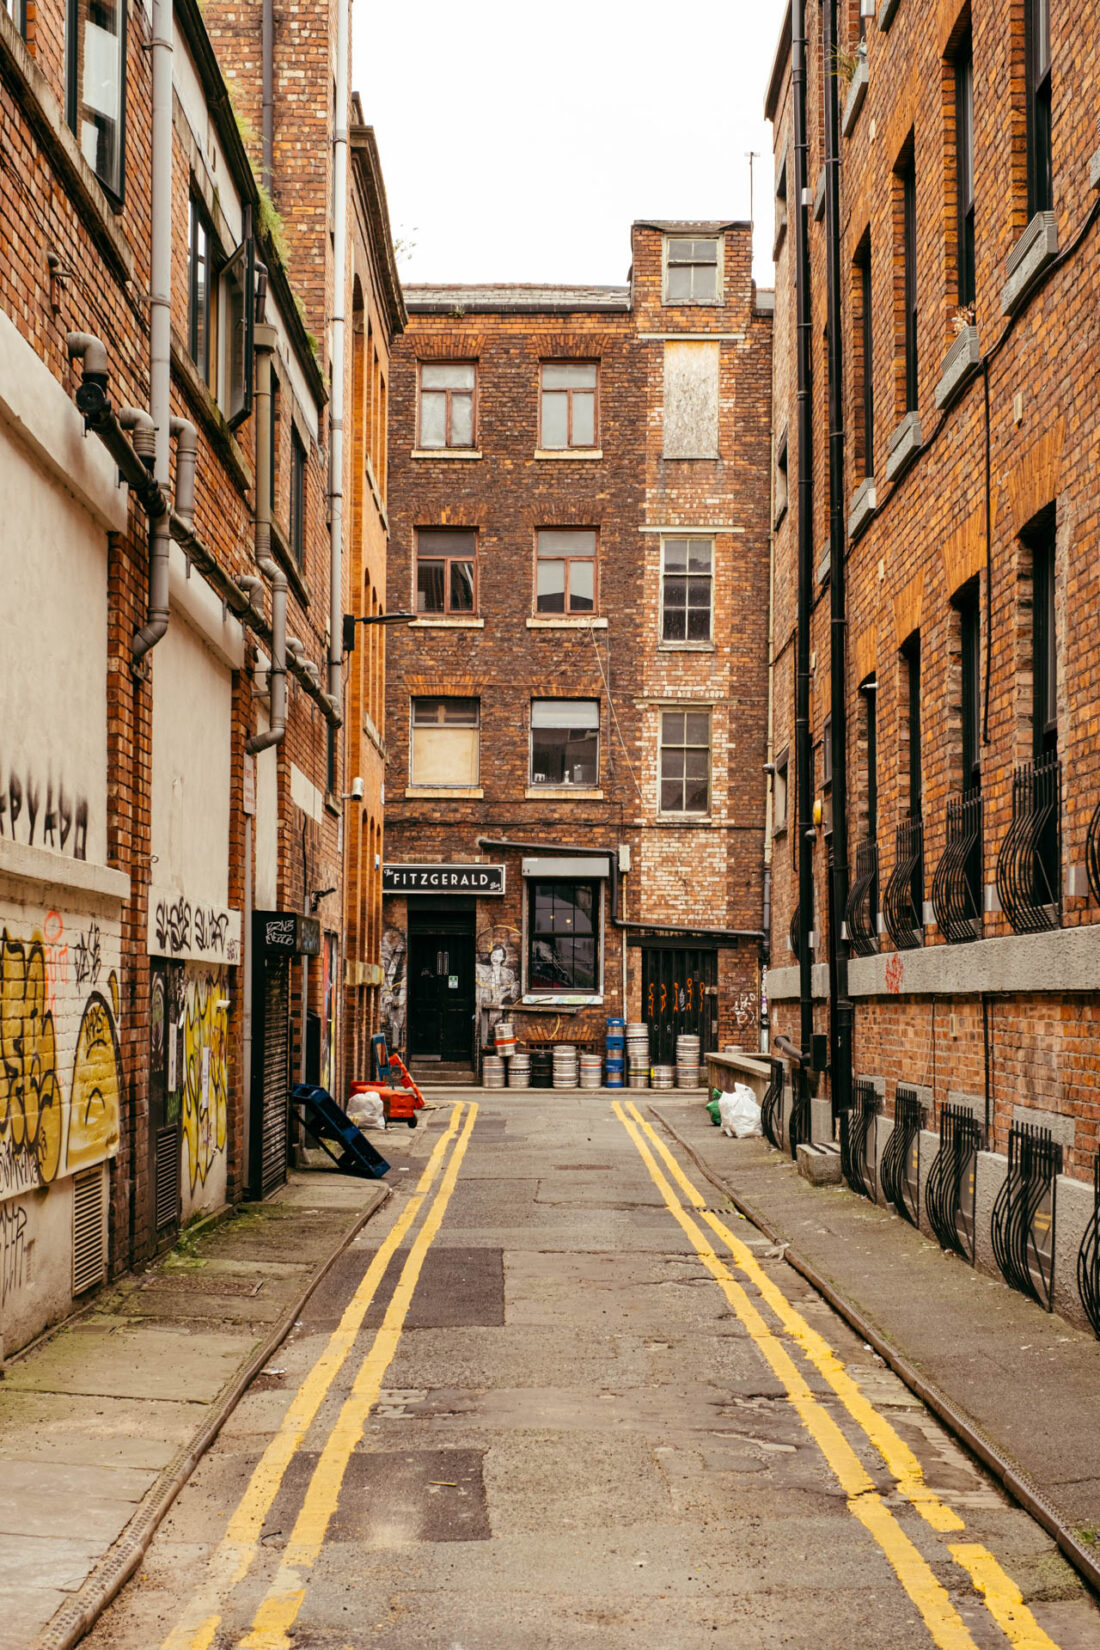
1023	1215
903	900
949	1195
857	1133
957	882
861	912
1029	877
771	1106
1088	1257
900	1157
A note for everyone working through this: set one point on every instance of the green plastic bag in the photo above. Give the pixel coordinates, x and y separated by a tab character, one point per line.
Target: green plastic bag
712	1107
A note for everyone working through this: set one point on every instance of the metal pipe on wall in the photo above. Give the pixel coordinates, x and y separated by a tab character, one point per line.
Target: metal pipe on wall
276	730
267	137
841	1013
339	316
804	331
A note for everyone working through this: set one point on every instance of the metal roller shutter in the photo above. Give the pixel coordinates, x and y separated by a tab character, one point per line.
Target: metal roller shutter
276	1063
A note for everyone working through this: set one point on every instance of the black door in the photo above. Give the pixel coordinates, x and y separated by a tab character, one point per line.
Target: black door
270	1073
679	995
441	996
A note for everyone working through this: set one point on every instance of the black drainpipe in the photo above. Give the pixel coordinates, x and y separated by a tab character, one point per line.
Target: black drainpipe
840	1004
804	316
267	137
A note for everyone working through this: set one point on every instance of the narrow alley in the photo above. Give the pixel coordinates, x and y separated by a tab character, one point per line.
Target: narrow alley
558	1392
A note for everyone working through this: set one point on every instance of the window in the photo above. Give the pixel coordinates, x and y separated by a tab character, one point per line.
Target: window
297	522
686	590
780	792
563	936
868	692
964	168
1044	671
1040	182
565	742
444	748
568	404
685	761
782	479
202	286
330	758
447	404
865	359
17	11
691	272
96	92
238	288
911	655
908	181
445	563
827	775
565	575
970	641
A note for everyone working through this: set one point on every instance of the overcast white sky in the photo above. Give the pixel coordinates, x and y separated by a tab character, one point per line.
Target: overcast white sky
518	142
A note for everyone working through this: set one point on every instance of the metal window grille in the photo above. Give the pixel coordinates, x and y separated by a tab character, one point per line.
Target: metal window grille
957	881
861	911
904	897
949	1196
793	931
1023	1215
1029	865
771	1107
1092	853
799	1127
901	1156
857	1133
1088	1256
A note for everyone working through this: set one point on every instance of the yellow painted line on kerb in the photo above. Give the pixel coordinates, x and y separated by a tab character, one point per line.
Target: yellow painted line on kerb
232	1558
864	1502
278	1612
1001	1595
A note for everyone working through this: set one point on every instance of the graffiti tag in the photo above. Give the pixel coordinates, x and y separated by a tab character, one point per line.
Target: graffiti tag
87	956
64	822
205	1106
14	1250
895	973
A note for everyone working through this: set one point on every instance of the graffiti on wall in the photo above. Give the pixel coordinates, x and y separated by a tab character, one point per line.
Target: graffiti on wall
394	996
15	1250
205	1042
34	1115
61	824
497	972
743	1010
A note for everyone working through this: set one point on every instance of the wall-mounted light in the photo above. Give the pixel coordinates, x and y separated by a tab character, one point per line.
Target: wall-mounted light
352	619
356	792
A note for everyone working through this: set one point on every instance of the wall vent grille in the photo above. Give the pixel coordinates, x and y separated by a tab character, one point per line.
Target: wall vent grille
89	1250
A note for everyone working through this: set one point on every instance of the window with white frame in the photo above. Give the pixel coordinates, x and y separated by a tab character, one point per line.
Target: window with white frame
565	742
96	88
685	761
687	578
567	404
692	270
444	742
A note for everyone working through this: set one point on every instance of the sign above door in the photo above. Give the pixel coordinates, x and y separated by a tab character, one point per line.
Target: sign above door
443	879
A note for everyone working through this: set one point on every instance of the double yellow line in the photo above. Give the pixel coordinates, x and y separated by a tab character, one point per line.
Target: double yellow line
999	1592
233	1557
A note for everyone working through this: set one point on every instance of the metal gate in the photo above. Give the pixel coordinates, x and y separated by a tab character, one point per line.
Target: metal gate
679	995
270	1105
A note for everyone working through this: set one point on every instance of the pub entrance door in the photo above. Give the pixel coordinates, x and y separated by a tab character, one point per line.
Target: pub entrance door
679	995
442	984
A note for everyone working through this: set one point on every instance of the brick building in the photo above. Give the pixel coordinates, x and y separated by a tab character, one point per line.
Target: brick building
576	718
170	745
963	516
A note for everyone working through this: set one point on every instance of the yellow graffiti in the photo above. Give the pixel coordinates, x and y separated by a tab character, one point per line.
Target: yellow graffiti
97	1080
204	1074
30	1097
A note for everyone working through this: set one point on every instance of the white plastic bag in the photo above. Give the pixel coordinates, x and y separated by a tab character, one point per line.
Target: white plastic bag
366	1111
739	1112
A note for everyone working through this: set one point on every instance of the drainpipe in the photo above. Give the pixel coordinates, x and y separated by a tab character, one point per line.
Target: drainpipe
267	49
185	436
336	402
804	314
841	1014
264	341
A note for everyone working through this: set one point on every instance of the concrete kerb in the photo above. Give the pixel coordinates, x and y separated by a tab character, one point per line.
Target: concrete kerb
76	1618
1018	1485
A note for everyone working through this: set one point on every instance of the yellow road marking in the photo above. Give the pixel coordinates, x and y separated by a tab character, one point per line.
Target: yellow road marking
279	1609
232	1558
940	1616
1002	1596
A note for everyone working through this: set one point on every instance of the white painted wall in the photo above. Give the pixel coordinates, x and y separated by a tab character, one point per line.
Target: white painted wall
192	710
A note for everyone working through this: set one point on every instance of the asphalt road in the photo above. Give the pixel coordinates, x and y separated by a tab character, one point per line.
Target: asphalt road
556	1396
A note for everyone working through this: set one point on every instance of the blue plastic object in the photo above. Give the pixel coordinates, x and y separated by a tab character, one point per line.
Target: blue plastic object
331	1126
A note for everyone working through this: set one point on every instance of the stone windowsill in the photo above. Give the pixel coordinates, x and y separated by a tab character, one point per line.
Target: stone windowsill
576	793
857	91
569	452
445	452
687	647
886	14
445	622
688	821
862	506
960	364
552	1002
449	793
24	863
903	446
819	197
209	414
285	557
565	621
1036	248
1094	171
825	563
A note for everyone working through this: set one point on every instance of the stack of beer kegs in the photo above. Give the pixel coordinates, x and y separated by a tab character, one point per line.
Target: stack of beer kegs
687	1061
616	1053
565	1065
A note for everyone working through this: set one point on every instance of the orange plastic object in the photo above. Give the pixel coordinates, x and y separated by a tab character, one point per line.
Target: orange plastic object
397	1065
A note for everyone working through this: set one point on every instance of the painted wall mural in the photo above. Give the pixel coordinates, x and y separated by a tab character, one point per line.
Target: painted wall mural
205	1087
394	996
497	971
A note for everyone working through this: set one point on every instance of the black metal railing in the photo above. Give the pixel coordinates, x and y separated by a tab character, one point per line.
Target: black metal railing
856	1132
903	901
1029	865
1023	1215
862	907
949	1195
1088	1256
771	1106
901	1156
957	881
1092	853
793	933
799	1124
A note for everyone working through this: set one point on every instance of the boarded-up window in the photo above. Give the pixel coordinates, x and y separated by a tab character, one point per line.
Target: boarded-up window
691	400
444	742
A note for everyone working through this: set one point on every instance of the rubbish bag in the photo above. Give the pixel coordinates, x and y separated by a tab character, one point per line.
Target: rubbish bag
740	1112
366	1111
714	1106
